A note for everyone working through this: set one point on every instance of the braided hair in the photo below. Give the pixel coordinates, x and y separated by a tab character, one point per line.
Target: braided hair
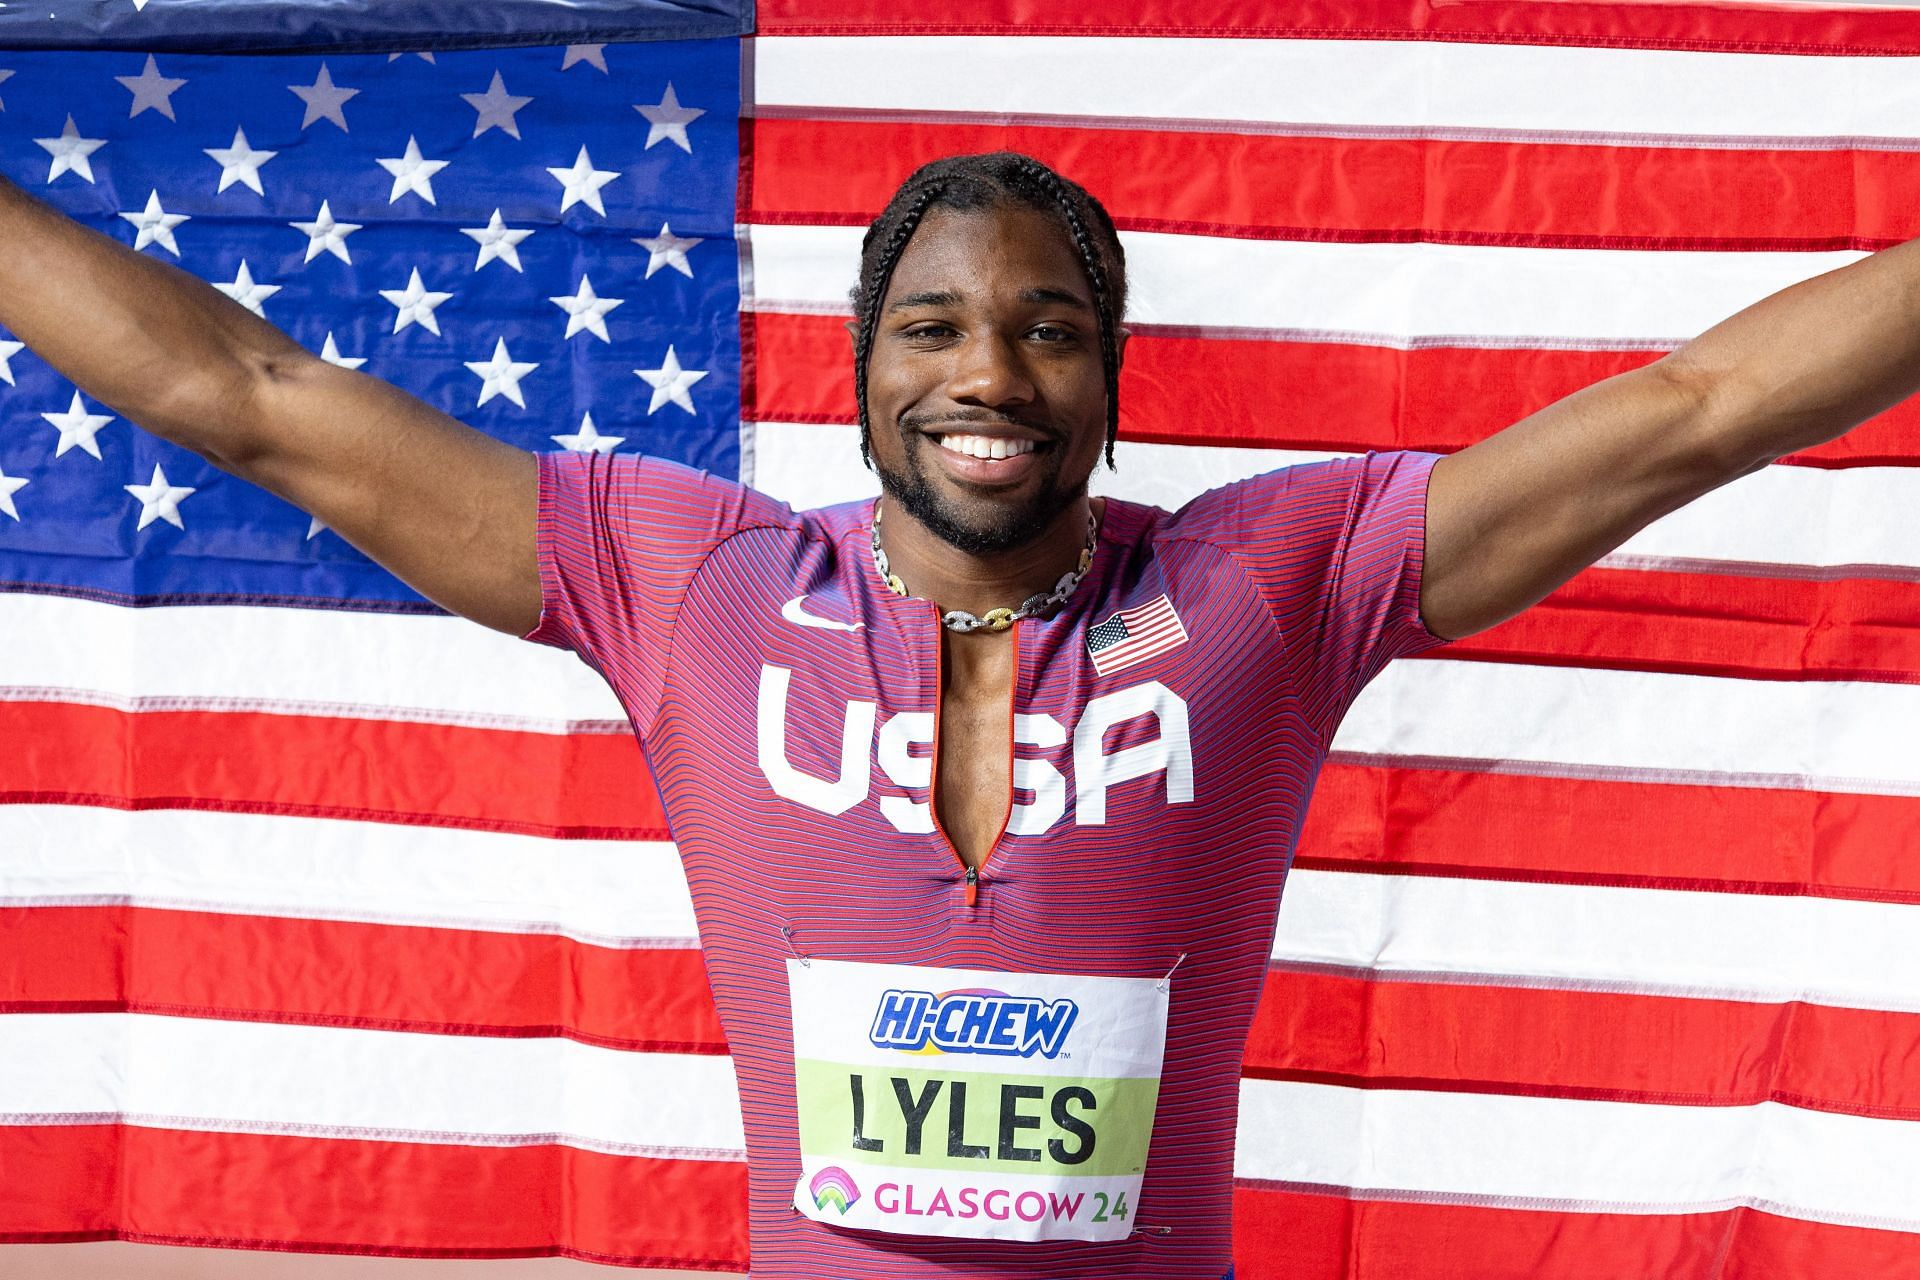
969	183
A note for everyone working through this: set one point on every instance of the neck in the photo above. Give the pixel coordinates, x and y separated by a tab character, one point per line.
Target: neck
953	579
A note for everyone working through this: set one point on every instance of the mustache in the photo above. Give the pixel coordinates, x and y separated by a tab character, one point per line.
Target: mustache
925	421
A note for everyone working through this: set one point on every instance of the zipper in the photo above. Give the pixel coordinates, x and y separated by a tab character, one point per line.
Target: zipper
973	886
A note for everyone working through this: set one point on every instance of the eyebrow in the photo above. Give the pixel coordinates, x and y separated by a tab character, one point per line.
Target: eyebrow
1061	296
926	298
948	298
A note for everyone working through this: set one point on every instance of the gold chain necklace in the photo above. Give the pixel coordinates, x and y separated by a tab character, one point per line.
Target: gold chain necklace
996	619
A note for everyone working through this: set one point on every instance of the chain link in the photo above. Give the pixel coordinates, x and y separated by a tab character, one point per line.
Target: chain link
996	619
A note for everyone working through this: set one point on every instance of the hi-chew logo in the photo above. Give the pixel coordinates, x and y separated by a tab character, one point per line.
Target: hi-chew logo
977	1021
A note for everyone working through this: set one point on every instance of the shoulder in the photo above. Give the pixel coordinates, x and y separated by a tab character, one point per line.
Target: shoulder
662	495
1321	494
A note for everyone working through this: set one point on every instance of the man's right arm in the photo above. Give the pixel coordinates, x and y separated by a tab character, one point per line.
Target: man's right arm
449	510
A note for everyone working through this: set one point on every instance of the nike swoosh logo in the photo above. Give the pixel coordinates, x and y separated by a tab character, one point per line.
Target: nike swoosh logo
793	612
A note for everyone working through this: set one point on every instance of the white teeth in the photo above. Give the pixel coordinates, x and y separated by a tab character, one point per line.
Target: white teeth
986	446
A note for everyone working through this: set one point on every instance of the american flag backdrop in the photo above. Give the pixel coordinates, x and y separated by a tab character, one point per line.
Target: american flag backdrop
332	924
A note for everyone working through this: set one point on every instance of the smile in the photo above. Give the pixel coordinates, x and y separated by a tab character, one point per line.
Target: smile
993	447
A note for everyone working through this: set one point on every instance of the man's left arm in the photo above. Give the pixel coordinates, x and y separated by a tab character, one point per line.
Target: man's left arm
1513	517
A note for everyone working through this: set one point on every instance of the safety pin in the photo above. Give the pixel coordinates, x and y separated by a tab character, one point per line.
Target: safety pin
786	931
1162	984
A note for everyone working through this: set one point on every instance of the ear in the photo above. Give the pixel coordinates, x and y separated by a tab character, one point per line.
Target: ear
853	329
1120	336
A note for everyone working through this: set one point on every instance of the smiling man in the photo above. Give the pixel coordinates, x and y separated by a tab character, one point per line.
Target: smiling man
986	790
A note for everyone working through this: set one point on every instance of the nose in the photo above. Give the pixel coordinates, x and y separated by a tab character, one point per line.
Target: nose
988	370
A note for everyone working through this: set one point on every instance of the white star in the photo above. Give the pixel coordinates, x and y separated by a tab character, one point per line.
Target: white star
159	500
667	250
10	485
5	75
78	427
325	235
151	89
582	183
424	57
8	350
668	119
240	163
156	225
585	310
416	303
496	107
330	352
594	55
243	290
412	172
139	6
497	240
670	382
324	99
70	152
587	439
500	376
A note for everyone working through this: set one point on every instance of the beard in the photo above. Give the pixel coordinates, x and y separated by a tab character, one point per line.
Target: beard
977	528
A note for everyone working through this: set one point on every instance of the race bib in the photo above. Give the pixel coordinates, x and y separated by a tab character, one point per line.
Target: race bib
974	1103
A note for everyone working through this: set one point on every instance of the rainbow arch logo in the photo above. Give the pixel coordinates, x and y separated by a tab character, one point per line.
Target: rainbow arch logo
833	1186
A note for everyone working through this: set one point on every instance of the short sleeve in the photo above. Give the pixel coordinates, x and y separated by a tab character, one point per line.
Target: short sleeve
1335	549
621	538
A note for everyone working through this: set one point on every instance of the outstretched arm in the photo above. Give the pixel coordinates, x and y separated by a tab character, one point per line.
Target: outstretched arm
1516	515
448	509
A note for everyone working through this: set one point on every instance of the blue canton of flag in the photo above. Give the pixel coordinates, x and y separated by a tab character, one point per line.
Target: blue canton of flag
538	241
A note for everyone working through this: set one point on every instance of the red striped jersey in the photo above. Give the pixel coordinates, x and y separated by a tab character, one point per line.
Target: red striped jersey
788	705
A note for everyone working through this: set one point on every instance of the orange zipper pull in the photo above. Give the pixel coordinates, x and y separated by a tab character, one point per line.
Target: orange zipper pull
973	886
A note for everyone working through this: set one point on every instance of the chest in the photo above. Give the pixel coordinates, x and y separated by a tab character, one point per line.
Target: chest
974	748
863	736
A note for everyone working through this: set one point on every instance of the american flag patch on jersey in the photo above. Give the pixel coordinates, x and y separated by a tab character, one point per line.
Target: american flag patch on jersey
1134	635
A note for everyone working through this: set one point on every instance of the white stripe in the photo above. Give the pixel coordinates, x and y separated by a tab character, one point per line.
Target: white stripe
1826	735
312	661
1805	517
603	892
1385	294
1577	1155
403	1086
1504	90
325	1082
1761	948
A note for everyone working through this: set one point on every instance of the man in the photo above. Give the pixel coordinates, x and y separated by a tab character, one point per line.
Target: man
986	792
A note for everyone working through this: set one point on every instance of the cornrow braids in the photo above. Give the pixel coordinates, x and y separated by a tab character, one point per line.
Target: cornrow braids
876	272
968	183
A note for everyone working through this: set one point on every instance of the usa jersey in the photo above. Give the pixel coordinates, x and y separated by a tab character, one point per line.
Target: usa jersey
1168	723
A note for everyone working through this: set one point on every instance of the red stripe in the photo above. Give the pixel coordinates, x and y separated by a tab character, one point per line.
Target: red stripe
1288	394
1500	826
1386	189
1750	27
1603	1046
1134	651
1742	839
340	974
1286	1234
329	1195
1766	628
1318	1027
580	785
102	1182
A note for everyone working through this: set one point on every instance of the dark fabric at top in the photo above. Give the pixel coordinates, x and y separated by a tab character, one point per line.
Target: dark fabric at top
371	26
